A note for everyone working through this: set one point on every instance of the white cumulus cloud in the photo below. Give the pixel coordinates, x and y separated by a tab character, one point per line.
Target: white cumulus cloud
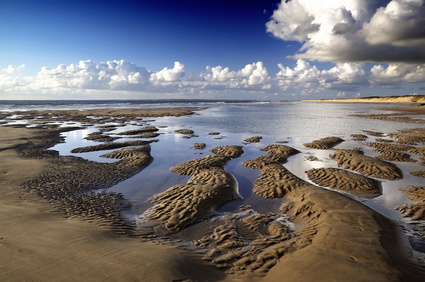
89	79
397	73
118	75
400	23
169	75
344	76
352	30
10	69
252	76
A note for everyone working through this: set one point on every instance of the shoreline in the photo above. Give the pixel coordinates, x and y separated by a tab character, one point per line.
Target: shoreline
388	99
323	242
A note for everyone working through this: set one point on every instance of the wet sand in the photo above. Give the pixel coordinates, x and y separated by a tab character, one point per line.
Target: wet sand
344	180
39	243
54	228
324	143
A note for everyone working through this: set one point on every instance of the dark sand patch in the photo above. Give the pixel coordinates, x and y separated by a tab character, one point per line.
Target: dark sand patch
381	140
183	205
133	154
111	146
139	131
359	137
374	133
412	137
275	181
100	137
415	210
355	160
195	166
108	128
275	154
387	146
190	136
119	117
228	151
415	193
418	151
185	131
393	118
210	187
270	237
148	135
389	155
339	179
324	143
418	173
199	146
254	139
313	159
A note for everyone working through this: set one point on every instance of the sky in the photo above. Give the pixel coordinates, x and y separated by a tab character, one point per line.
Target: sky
211	49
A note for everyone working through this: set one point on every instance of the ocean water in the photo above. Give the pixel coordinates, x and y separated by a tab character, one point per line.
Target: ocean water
293	122
24	105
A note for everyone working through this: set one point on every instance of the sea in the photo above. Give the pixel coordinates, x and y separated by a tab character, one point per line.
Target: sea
291	122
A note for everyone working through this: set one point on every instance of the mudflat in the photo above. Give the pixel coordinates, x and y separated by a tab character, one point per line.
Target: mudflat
37	242
53	227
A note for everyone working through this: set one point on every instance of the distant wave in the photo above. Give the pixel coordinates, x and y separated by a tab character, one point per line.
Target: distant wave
15	105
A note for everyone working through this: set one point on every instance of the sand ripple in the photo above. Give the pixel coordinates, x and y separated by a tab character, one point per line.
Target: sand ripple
111	146
275	154
415	210
355	160
210	187
271	236
324	143
345	180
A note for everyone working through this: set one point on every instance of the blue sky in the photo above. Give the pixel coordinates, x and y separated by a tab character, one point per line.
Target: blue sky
209	49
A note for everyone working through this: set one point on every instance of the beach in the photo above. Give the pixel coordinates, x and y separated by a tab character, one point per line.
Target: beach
418	99
56	225
40	243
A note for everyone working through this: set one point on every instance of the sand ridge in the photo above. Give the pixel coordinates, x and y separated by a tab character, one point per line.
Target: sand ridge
111	146
332	235
199	146
346	181
209	187
275	154
324	143
389	155
270	236
139	131
359	137
418	173
253	139
415	210
357	161
98	136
